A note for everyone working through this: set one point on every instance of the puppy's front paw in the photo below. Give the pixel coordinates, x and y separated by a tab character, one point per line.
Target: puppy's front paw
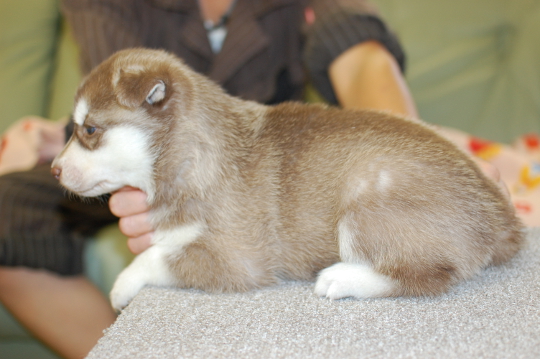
344	280
148	267
126	287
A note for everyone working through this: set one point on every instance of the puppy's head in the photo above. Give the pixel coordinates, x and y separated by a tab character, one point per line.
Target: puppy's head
121	110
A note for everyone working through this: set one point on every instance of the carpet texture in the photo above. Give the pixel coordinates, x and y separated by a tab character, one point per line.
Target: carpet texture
494	315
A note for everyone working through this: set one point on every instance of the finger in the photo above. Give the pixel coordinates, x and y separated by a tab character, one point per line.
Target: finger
136	225
138	245
128	201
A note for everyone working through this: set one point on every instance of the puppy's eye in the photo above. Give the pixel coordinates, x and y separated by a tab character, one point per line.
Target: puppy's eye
90	130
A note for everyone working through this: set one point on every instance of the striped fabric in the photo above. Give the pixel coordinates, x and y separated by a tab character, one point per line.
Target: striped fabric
263	57
41	227
261	60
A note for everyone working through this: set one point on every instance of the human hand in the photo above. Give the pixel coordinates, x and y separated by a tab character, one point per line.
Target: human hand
51	141
129	204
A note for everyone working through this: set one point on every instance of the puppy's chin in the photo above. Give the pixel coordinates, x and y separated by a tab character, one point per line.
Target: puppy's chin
94	190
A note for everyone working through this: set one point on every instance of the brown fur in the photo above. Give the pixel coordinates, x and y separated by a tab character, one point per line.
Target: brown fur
274	185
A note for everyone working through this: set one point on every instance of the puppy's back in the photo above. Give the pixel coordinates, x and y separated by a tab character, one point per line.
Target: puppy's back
418	208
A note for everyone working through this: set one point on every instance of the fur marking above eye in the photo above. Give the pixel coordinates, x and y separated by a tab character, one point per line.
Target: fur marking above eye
81	111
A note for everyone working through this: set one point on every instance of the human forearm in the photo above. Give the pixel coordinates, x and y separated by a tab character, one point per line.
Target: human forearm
368	76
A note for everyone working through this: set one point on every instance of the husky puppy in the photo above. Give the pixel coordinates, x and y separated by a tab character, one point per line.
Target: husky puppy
244	195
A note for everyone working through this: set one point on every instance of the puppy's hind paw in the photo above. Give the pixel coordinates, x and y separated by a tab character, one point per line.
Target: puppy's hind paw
344	280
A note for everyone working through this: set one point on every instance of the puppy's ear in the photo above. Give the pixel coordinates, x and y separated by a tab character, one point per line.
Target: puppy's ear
133	89
157	93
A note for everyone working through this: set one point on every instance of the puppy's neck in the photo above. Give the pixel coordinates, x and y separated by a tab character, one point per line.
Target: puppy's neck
207	156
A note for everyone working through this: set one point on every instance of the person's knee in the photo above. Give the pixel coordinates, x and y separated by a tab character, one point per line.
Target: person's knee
11	276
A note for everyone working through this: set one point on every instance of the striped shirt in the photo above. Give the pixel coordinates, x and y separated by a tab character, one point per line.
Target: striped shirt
269	50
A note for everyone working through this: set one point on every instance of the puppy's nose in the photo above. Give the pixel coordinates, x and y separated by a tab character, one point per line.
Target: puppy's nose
55	171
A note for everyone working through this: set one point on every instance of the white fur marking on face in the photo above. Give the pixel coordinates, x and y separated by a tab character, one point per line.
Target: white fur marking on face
385	180
357	280
123	159
81	111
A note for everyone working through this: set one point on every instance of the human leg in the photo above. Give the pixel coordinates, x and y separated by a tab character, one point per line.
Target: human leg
68	313
42	235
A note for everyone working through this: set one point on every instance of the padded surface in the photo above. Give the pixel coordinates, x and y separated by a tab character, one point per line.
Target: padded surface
494	315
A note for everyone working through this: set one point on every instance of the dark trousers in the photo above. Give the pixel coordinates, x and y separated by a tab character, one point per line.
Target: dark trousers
44	227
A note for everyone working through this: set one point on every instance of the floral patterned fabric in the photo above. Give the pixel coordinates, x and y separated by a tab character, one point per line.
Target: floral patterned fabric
518	164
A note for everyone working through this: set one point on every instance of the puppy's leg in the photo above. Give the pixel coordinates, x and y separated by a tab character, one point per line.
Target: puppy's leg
151	267
148	268
353	277
353	280
391	252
